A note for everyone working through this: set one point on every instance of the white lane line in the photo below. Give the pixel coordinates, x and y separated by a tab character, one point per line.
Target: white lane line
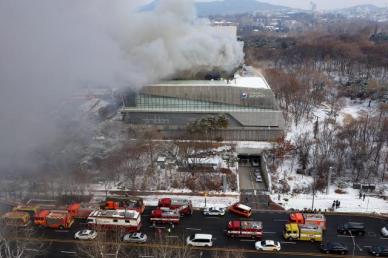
197	229
247	240
367	246
161	227
344	236
293	243
384	238
68	252
372	234
269	232
30	249
173	236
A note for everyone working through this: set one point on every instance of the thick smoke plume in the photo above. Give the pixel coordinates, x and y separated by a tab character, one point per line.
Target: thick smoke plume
49	49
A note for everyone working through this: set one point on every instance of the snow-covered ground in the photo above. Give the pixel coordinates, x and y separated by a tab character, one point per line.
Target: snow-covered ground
223	200
349	202
286	170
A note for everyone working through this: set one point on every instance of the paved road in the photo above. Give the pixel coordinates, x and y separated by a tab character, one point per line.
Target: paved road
273	224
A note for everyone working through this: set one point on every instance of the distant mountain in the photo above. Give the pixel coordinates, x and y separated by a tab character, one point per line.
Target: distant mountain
227	7
359	8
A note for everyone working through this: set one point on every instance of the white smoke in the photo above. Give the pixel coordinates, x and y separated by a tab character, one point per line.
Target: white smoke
50	48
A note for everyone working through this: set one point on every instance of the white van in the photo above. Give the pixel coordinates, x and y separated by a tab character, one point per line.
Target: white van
200	240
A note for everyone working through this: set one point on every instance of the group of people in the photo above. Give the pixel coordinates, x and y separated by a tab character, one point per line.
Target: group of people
336	204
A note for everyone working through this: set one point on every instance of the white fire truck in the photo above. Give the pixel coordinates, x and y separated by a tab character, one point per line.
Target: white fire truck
128	220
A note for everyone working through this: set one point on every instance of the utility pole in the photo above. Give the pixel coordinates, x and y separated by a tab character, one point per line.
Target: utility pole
312	204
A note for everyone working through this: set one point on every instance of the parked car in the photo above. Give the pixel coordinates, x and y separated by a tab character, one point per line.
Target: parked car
334	248
203	240
379	250
255	162
241	209
384	231
258	178
351	228
267	245
86	234
135	238
214	211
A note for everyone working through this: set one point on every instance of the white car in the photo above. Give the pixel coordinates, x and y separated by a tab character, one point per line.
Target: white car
384	231
214	211
203	240
258	178
86	234
135	238
267	245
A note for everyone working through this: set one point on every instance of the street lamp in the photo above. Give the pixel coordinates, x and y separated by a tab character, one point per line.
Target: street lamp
205	194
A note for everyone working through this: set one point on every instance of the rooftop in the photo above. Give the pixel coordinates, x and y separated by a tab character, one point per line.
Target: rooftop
254	82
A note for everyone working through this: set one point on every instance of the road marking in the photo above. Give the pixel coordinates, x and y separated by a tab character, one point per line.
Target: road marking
213	217
197	229
68	252
161	227
110	254
61	230
293	243
384	238
367	246
178	246
269	232
247	240
281	220
173	236
30	249
372	234
344	236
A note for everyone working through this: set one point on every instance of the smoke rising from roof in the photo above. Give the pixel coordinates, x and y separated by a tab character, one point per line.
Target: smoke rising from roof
49	49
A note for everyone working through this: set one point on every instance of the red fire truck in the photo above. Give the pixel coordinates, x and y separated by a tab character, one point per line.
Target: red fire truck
308	218
123	202
245	228
56	219
184	206
165	215
61	219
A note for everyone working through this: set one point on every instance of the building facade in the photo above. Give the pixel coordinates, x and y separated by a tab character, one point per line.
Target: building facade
247	102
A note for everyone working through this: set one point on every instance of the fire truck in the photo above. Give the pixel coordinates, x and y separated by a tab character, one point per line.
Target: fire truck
56	219
123	202
16	219
306	232
184	206
307	218
127	220
61	219
20	216
245	228
165	215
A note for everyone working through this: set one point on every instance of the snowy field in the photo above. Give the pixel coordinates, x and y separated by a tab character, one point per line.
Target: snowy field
350	202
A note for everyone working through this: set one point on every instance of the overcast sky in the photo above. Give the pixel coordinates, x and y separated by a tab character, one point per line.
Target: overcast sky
322	4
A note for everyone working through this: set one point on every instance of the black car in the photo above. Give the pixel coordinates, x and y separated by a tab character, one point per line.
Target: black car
379	250
334	248
352	228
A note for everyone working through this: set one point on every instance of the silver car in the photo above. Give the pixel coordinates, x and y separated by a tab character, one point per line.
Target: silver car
135	238
214	211
86	234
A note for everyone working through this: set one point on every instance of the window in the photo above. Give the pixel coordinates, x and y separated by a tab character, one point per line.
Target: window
115	220
126	221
